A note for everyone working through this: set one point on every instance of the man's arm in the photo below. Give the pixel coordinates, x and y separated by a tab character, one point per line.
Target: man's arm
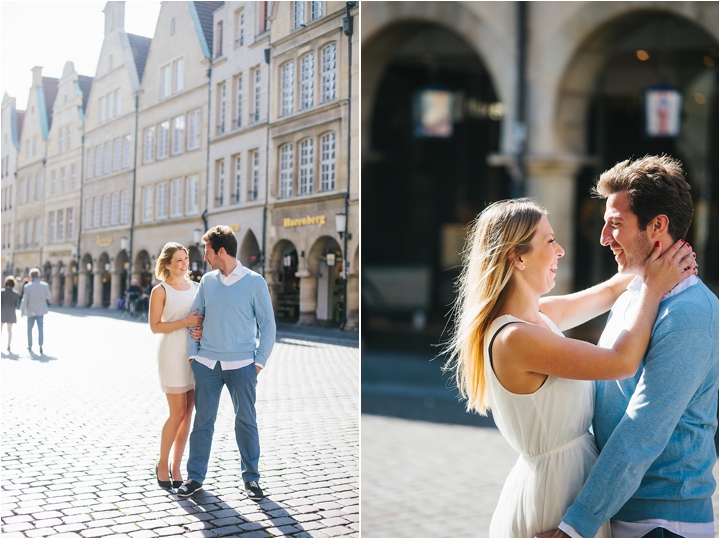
266	323
671	376
199	305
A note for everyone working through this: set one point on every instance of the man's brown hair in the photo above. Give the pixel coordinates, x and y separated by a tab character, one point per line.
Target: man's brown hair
655	186
221	236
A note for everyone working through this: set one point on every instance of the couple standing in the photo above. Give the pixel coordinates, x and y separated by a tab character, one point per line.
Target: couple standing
234	333
647	471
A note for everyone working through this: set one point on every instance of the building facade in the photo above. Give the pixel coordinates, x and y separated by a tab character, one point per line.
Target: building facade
12	120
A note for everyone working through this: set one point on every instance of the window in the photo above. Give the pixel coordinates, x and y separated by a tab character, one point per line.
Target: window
221	109
307	80
27	149
110	62
178	140
176	198
68	138
98	161
179	75
307	165
163	139
149	144
219	39
108	157
102	109
164	81
23	191
73	177
38	231
117	102
286	171
39	187
256	96
51	223
125	207
288	88
237	179
60	140
29	238
194	129
328	73
31	192
240	28
192	198
70	224
172	26
238	101
35	145
90	163
63	180
220	183
21	236
115	210
161	201
88	214
97	212
263	16
61	225
147	204
316	10
106	210
298	14
109	104
327	162
126	152
117	154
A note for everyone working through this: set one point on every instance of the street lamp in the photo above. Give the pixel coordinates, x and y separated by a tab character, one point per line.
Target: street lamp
123	243
330	259
197	236
341	225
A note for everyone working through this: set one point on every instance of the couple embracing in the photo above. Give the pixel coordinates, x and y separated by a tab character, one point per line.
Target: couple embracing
649	389
218	333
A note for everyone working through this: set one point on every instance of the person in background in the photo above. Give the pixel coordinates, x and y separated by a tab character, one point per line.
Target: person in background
34	305
10	301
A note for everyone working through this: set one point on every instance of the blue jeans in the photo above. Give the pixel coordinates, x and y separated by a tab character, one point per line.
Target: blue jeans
208	387
30	323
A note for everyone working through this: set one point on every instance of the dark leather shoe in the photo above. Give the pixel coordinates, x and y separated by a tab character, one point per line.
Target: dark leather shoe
167	485
189	488
175	484
253	491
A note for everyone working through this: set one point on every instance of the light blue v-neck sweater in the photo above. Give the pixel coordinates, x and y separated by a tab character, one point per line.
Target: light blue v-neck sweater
239	321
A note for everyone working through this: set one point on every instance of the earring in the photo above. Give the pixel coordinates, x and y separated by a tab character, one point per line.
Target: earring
523	267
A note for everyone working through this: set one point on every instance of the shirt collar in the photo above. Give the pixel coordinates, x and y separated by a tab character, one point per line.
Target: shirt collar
636	283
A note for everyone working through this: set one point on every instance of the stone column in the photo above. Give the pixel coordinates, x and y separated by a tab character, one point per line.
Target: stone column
97	288
352	309
55	280
274	287
69	287
551	181
115	291
308	298
82	300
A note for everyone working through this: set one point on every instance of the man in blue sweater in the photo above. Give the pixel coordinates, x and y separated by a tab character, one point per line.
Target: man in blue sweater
238	336
656	429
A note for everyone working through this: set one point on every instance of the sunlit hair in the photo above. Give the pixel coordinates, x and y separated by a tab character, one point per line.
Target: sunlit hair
500	233
165	259
9	282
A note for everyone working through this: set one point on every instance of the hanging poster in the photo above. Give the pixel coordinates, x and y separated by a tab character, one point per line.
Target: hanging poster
663	106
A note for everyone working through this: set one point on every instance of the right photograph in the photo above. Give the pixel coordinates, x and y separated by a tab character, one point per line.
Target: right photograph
539	280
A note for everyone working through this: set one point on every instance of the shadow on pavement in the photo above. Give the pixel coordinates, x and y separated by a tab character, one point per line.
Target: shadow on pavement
228	522
42	358
10	355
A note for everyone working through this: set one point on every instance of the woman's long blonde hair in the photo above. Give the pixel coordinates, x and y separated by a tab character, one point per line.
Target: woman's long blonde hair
165	258
499	234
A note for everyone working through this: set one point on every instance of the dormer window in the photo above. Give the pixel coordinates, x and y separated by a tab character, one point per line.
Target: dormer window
172	26
110	63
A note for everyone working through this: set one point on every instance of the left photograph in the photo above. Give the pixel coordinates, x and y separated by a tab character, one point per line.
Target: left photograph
180	265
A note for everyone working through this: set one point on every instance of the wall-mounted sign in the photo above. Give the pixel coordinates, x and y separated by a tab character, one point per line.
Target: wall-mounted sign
433	111
104	241
304	221
663	105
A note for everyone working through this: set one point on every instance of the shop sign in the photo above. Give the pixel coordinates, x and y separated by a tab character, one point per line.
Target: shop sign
104	241
304	221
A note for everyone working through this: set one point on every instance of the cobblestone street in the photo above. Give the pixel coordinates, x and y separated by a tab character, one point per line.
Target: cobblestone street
81	433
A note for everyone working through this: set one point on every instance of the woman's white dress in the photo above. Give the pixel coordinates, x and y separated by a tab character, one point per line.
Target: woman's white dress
173	365
549	428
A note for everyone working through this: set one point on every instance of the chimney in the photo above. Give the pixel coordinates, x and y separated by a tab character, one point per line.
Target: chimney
114	16
37	76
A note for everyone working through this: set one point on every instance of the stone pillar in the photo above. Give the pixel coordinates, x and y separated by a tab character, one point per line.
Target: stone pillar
551	181
352	309
308	298
82	300
97	288
55	280
115	292
69	287
274	287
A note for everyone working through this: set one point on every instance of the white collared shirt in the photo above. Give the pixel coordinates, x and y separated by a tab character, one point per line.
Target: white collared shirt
231	278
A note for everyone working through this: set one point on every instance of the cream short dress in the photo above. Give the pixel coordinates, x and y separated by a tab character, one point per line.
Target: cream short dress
173	365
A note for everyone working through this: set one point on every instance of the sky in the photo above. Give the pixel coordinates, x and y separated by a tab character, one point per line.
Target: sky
49	34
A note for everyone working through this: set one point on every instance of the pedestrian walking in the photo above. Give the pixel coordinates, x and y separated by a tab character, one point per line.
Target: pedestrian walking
34	305
238	336
170	315
10	302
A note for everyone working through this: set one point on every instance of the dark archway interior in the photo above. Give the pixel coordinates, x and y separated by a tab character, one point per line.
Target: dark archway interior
414	187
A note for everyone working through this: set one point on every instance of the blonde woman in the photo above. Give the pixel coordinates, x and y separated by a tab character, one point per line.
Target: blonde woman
170	303
510	356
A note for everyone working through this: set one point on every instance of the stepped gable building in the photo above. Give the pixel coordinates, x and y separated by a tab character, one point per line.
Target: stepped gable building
109	164
12	122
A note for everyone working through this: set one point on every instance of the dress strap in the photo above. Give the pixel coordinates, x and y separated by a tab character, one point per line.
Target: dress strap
511	320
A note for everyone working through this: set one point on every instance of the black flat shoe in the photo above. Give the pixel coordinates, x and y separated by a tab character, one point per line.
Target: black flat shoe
175	484
167	485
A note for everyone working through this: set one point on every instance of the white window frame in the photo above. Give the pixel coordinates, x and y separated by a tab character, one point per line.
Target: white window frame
21	235
70	224
117	154
220	183
98	161
257	77
178	135
91	164
117	102
316	10
237	179
68	145
51	226
253	192
127	145
178	75
106	211
327	162
147	214
108	158
63	180
115	209
61	225
298	15
101	106
194	124
149	144
161	206
53	182
286	171
238	101
60	140
222	94
97	212
163	146
240	28
165	81
125	207
329	72
89	214
287	77
176	201
39	187
307	81
192	195
306	166
73	177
